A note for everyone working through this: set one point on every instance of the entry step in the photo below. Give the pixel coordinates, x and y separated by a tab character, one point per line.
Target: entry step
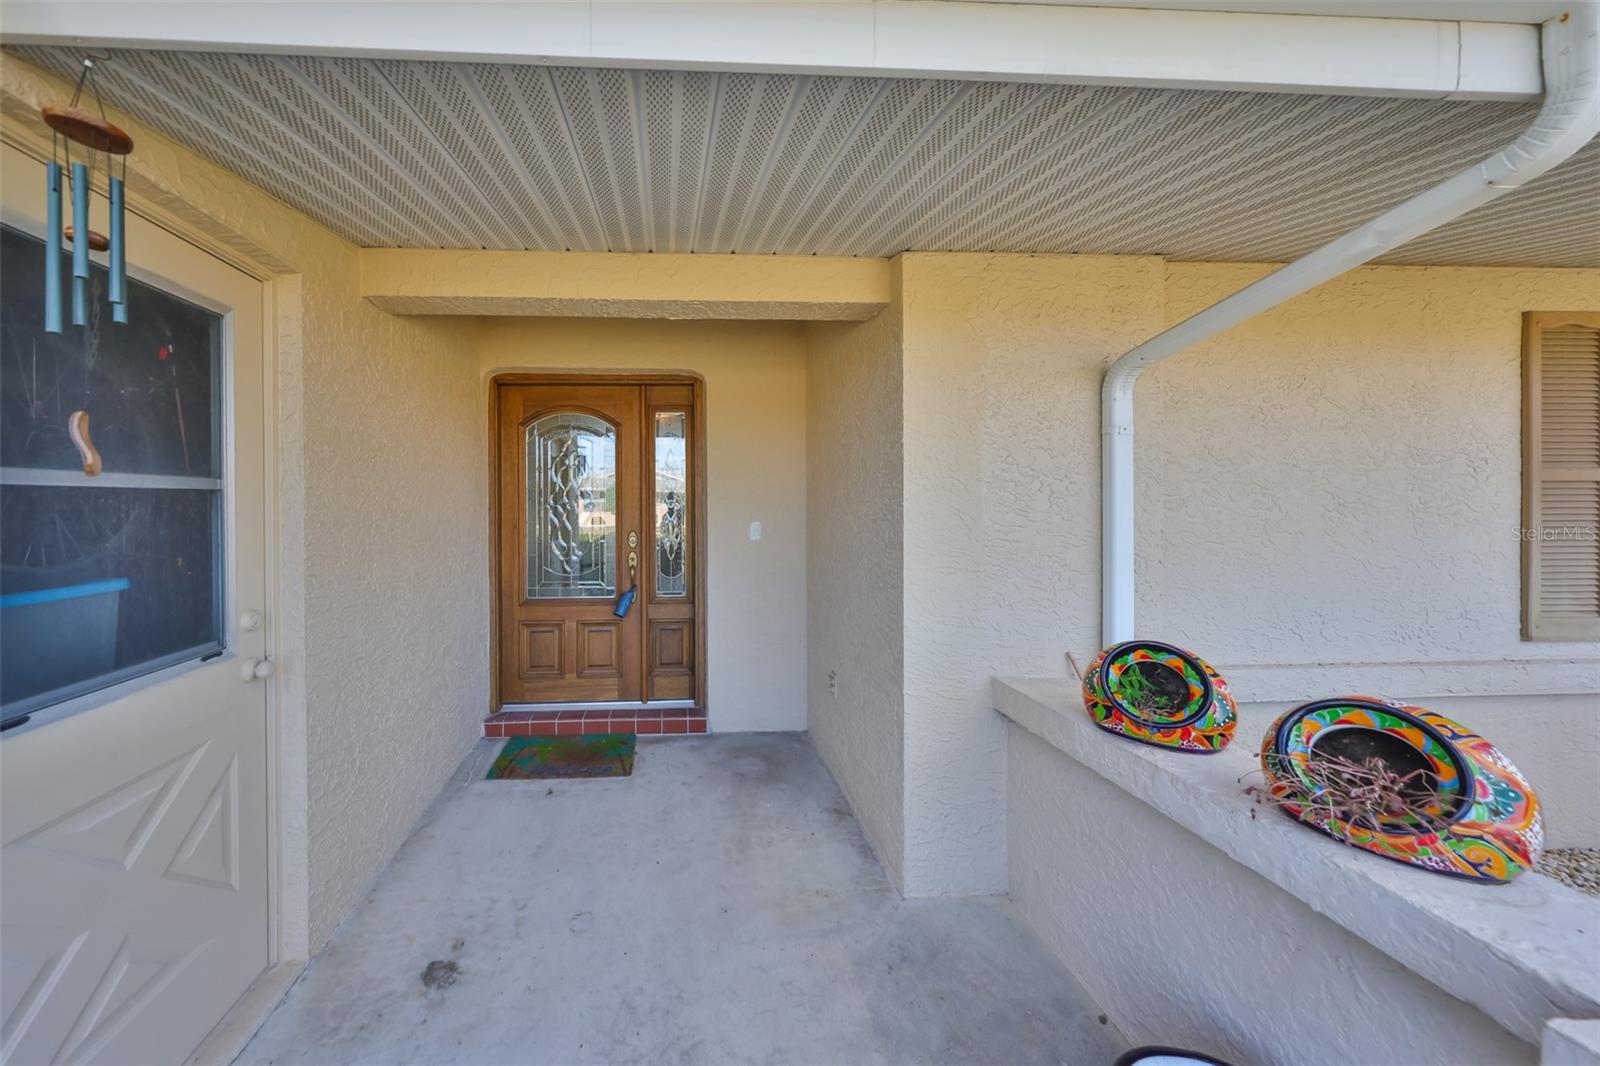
592	720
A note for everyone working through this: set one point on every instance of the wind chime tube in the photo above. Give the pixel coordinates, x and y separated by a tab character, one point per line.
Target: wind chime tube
80	245
80	301
52	249
118	263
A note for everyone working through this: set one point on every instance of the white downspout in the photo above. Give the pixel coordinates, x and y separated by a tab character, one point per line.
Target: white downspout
1569	118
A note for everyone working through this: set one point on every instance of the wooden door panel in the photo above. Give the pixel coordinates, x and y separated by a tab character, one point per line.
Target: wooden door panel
670	646
600	649
541	652
671	668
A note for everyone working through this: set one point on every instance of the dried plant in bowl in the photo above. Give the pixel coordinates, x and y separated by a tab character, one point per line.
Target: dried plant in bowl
1404	783
1357	793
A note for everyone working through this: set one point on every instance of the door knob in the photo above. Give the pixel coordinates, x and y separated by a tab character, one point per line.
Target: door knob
250	621
255	669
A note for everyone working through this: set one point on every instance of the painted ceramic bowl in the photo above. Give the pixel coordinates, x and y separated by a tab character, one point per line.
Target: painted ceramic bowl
1158	694
1165	1056
1475	816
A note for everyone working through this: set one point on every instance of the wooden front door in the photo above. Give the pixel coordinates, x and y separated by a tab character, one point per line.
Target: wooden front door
596	532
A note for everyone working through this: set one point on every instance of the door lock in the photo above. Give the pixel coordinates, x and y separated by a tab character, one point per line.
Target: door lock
255	669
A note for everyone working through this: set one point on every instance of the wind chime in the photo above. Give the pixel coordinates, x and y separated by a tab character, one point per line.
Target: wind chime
97	141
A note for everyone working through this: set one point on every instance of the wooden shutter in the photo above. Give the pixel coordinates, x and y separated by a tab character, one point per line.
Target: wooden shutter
1561	475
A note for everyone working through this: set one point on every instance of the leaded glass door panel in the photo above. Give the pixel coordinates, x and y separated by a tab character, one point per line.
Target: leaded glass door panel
571	490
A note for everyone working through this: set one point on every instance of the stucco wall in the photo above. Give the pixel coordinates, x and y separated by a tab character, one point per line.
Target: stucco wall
1184	946
381	654
1359	454
755	397
1003	356
396	639
1328	498
854	576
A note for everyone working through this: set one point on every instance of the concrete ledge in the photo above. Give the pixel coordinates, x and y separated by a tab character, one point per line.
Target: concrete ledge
1523	954
617	285
1570	1042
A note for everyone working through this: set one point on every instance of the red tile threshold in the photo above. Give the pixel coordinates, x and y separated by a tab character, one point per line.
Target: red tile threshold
674	722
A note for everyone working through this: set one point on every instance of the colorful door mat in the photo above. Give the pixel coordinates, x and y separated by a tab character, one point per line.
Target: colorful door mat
589	755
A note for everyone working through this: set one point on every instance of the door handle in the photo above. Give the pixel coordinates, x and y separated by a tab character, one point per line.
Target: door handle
625	601
255	669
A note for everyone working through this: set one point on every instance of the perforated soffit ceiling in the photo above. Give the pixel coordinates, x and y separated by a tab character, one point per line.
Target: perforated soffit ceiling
421	155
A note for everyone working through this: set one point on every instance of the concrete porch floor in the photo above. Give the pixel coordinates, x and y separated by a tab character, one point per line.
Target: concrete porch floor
719	906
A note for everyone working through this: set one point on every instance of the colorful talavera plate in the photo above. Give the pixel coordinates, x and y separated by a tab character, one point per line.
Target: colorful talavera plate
1157	694
1487	825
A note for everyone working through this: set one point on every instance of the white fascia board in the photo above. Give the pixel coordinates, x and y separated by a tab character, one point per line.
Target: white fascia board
902	38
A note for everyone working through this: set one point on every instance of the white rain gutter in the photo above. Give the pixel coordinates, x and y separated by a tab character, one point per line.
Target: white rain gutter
1242	51
1570	117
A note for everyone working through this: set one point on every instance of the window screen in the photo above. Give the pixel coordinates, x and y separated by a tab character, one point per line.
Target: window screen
108	577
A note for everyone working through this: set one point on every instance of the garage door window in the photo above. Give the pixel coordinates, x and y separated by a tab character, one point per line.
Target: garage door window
107	577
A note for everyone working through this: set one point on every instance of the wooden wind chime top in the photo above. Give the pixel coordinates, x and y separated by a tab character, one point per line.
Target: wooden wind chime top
95	132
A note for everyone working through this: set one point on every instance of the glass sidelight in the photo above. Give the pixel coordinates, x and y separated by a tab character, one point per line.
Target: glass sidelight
672	503
572	507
